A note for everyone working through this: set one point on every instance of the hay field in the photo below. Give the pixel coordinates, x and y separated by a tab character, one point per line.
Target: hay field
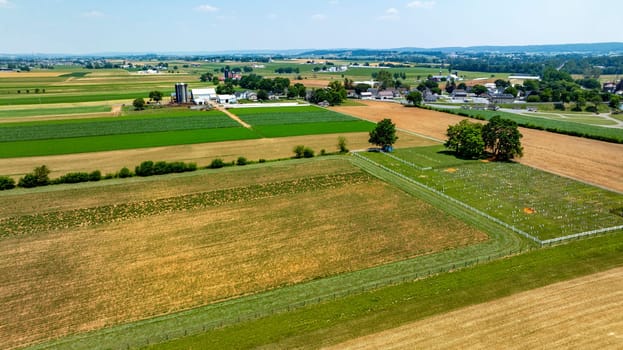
83	257
584	313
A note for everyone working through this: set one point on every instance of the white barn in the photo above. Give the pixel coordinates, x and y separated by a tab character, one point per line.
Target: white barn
203	96
226	99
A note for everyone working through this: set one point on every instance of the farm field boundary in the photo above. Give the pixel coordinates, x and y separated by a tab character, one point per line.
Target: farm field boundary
392	306
500	243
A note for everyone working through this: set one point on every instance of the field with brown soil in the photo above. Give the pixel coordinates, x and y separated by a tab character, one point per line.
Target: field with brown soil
592	161
92	273
202	154
585	313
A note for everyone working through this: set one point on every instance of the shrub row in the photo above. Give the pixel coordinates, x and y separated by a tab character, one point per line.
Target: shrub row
149	168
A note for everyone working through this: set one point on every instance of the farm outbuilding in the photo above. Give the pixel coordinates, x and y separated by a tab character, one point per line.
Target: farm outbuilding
203	96
226	99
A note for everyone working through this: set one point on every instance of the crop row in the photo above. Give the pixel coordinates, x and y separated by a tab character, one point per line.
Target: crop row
291	115
31	224
47	131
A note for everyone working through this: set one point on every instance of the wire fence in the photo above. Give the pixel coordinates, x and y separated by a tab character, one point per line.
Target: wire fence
312	299
541	242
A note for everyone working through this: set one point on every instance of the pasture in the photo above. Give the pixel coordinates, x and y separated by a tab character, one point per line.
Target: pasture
541	204
576	126
116	252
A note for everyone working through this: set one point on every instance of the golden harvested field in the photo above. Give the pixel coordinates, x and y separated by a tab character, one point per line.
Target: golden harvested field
587	160
585	313
76	276
202	154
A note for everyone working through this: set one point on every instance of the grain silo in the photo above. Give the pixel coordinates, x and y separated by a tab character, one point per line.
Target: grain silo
181	93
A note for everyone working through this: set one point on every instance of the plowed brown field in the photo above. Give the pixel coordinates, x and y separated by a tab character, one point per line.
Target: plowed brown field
596	162
585	313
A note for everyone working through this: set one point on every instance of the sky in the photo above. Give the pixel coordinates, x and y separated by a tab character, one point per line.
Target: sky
104	26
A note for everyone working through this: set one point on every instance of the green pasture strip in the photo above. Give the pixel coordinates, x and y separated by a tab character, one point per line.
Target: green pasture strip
119	142
275	110
313	128
501	242
74	75
17	113
558	126
48	131
561	206
68	98
373	311
583	119
147	115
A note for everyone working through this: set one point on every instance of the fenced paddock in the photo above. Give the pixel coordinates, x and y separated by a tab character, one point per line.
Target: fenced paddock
543	207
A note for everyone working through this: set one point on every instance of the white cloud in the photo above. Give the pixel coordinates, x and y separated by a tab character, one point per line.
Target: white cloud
421	4
93	14
391	14
206	8
6	4
319	17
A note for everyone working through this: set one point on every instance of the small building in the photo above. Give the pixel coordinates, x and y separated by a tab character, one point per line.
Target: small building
366	95
459	94
502	98
385	95
226	99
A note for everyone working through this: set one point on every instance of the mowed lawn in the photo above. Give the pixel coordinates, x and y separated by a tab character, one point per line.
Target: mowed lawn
542	204
78	258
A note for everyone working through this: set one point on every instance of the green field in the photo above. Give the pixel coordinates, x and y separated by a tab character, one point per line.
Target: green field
289	115
17	113
541	204
119	142
110	126
559	126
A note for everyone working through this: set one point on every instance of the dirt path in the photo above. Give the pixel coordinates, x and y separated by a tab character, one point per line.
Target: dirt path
202	154
232	116
585	313
591	161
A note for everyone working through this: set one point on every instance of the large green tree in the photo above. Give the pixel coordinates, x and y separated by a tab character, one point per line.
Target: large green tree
384	77
138	104
465	139
502	138
384	134
415	98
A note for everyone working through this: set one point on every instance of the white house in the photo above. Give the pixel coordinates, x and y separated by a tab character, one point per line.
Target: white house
203	96
226	99
365	95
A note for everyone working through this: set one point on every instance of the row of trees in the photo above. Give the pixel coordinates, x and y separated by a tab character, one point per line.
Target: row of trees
501	137
334	94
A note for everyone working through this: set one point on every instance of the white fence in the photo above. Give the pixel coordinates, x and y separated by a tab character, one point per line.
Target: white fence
483	214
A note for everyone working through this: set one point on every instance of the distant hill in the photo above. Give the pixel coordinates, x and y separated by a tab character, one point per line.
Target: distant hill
595	48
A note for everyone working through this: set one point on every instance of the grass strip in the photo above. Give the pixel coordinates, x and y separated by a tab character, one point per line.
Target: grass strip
119	142
365	313
313	128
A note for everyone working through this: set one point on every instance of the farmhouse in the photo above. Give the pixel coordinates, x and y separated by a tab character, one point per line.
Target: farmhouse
203	96
385	95
226	99
366	95
502	98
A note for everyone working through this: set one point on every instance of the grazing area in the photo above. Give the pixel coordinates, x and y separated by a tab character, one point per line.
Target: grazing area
592	161
127	250
580	313
541	204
